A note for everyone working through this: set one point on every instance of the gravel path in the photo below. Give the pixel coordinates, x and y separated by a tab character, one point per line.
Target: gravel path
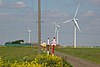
76	62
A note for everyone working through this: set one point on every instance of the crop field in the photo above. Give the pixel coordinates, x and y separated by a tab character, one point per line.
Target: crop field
17	53
89	54
28	57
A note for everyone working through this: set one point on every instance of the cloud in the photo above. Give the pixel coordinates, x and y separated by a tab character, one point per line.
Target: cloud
3	14
93	25
1	3
91	21
89	13
15	16
95	1
19	4
54	15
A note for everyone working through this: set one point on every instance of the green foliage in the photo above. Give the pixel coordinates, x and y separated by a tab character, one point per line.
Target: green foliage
90	54
15	42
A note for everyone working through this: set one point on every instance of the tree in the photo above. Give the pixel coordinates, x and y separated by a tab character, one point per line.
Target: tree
15	42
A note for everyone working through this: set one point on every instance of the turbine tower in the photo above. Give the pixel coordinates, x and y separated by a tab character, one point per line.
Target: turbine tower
29	34
57	33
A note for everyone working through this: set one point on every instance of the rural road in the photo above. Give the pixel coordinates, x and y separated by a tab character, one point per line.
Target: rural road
76	62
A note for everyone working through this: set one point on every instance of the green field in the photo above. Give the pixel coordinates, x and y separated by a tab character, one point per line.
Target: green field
89	54
17	53
28	57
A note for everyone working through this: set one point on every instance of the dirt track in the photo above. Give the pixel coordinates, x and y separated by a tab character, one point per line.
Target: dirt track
77	62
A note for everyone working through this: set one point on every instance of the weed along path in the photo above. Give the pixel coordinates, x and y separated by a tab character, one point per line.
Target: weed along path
76	62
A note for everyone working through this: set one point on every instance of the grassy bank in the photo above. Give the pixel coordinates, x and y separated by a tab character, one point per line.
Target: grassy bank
90	54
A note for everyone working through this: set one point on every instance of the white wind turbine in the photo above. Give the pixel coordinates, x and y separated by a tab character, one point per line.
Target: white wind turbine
29	34
57	32
57	26
76	26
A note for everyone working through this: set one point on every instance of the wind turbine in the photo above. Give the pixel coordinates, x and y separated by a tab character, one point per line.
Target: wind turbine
56	32
29	34
76	26
57	26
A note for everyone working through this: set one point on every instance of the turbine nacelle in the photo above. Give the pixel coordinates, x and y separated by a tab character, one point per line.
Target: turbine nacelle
75	19
29	30
57	26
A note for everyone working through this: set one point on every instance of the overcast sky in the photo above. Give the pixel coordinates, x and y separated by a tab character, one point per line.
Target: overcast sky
16	16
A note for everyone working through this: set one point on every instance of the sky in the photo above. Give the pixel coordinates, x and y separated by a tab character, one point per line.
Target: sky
16	16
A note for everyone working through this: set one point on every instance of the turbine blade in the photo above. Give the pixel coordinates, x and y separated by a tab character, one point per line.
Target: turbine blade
55	29
76	24
77	10
67	21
